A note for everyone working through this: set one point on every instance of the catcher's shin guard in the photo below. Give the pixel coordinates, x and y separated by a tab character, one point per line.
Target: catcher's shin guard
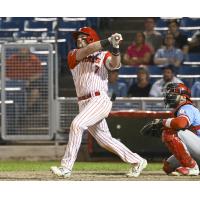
167	167
177	148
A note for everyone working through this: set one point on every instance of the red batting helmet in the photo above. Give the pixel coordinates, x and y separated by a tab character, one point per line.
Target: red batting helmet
91	34
172	93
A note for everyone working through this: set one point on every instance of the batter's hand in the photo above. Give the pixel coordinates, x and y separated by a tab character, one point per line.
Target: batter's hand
115	40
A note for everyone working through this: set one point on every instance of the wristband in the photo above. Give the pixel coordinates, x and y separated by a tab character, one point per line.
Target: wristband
105	44
167	122
115	51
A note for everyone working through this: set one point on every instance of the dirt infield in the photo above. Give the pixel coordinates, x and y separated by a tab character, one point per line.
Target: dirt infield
92	176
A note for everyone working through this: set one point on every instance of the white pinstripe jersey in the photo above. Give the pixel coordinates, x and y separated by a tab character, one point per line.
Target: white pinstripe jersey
91	73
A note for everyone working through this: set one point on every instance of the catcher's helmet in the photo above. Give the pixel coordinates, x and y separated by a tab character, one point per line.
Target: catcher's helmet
174	92
91	34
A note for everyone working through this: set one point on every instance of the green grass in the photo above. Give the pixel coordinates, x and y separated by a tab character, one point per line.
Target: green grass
83	166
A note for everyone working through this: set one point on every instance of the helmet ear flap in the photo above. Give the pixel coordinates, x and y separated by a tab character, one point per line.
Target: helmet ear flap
90	39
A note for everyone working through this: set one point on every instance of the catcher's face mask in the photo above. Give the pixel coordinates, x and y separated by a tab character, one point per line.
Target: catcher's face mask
171	100
176	93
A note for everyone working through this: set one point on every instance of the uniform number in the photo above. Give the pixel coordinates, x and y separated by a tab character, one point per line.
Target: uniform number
96	69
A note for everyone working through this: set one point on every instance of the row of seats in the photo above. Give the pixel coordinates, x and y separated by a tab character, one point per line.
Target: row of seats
186	23
187	74
155	70
37	28
46	24
40	29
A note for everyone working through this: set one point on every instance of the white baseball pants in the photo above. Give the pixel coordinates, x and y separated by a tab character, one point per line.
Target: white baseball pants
92	115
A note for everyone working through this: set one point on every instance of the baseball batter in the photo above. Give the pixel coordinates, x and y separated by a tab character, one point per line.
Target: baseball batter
89	64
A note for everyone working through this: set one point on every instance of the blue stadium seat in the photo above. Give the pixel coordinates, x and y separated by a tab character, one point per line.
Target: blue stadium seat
28	34
155	70
128	70
66	37
49	37
50	34
190	22
6	34
187	33
38	26
93	22
193	57
161	24
65	44
66	26
10	26
17	19
188	70
82	21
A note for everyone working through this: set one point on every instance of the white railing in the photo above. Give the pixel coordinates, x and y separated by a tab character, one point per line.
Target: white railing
68	107
160	76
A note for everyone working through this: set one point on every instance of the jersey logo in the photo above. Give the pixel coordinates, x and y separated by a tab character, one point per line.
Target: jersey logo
92	59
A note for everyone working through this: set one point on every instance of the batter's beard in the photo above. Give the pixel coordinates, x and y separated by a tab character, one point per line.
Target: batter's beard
82	44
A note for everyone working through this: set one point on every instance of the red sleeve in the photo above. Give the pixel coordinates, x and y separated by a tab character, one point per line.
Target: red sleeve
71	58
179	123
108	54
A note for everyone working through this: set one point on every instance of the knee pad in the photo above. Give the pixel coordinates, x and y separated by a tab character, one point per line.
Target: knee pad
168	135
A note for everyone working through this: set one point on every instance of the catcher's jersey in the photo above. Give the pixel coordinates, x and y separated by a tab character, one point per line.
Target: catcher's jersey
192	114
91	73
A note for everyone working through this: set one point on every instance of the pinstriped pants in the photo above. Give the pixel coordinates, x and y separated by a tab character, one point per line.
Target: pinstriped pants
92	116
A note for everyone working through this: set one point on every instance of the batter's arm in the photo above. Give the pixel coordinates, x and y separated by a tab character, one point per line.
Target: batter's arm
76	55
114	61
89	49
114	40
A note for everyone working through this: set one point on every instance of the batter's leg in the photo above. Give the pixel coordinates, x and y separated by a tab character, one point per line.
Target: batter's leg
103	136
90	113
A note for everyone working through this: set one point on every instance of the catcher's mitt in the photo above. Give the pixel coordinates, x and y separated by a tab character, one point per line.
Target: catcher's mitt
153	128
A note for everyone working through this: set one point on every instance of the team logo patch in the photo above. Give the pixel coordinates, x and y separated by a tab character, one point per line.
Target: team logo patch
182	111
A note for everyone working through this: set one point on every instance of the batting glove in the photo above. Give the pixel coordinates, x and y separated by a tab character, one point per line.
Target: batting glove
115	40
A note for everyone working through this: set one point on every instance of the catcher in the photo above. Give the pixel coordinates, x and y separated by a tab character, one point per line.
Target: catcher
181	134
